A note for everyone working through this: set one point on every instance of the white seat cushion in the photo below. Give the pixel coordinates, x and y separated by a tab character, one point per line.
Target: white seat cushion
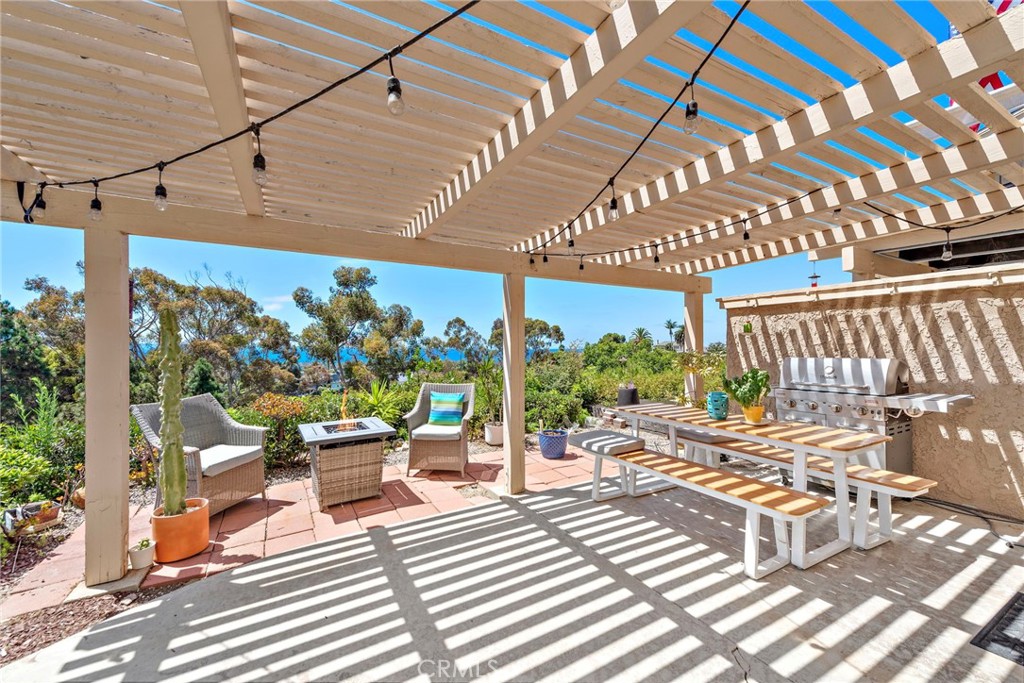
221	458
429	432
606	442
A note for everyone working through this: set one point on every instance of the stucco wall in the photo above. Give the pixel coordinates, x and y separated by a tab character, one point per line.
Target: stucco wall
955	341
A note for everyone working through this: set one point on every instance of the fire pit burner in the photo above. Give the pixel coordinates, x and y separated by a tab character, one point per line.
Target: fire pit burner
344	427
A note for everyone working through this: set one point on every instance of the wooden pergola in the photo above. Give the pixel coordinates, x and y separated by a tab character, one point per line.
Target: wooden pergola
517	114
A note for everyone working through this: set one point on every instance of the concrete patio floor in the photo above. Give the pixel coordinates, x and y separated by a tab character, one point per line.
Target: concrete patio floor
551	586
290	518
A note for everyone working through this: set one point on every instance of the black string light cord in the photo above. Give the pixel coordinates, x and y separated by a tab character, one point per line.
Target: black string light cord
688	85
980	221
256	126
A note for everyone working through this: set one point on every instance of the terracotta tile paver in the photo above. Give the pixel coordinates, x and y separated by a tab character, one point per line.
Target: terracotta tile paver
290	542
289	519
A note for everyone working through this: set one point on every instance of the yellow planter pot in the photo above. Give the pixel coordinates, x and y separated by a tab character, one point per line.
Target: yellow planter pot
753	413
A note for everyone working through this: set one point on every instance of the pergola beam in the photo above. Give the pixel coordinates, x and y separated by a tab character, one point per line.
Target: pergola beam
13	167
980	154
622	41
209	28
983	49
137	217
866	264
976	206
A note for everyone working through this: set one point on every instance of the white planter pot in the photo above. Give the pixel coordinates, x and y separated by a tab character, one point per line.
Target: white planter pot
142	557
494	434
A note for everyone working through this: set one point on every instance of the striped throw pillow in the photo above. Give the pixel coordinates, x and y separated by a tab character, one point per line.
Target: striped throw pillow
445	409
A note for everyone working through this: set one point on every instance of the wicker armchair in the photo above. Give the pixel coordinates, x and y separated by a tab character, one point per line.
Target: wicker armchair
432	447
223	459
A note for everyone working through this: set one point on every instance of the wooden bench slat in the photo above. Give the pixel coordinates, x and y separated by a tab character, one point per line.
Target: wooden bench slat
765	494
896	480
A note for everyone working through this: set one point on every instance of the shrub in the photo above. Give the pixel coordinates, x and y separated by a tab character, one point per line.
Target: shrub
380	401
555	408
21	473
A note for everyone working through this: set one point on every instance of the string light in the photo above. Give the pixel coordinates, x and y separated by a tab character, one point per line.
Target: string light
259	162
657	258
160	192
545	259
531	260
581	263
38	209
615	4
746	235
692	118
835	214
947	249
95	206
395	103
813	277
613	205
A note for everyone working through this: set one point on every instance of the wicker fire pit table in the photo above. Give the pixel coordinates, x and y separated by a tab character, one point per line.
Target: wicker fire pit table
346	457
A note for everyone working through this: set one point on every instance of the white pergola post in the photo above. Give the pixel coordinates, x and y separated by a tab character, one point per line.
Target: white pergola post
693	317
106	405
513	354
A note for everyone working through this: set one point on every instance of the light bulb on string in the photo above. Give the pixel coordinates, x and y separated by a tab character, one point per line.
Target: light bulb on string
746	235
615	4
692	117
545	259
613	205
395	103
259	162
657	258
95	206
947	248
836	213
813	277
532	261
581	263
39	204
160	192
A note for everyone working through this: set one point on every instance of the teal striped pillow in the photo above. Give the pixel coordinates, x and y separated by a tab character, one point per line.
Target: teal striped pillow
445	409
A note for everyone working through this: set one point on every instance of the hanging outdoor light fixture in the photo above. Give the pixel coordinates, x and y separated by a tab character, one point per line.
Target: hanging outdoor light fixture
613	205
38	210
160	192
95	206
947	248
395	103
259	162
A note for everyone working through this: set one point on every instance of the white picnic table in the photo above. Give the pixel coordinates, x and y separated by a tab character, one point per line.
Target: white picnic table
805	440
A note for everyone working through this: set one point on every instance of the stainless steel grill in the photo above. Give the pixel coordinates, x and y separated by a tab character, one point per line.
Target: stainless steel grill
866	394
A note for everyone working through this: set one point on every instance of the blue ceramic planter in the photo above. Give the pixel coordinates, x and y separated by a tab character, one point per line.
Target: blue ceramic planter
553	443
718	405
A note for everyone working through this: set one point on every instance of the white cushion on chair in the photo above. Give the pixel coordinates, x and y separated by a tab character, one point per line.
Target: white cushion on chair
221	458
429	432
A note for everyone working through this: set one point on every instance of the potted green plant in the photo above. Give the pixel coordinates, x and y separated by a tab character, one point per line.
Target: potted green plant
181	526
141	554
749	389
492	384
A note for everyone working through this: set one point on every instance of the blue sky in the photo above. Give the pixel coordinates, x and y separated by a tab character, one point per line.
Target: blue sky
585	312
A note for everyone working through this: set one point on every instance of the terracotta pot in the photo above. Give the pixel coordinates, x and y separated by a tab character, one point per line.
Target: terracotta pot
180	536
753	413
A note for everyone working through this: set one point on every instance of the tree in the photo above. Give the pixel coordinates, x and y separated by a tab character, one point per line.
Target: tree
541	337
393	342
57	316
717	348
680	337
201	380
343	321
22	359
670	325
641	335
467	341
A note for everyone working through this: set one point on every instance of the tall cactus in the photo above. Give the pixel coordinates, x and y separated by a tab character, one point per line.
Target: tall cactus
172	480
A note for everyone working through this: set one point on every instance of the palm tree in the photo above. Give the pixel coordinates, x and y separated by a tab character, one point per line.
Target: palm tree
670	325
641	334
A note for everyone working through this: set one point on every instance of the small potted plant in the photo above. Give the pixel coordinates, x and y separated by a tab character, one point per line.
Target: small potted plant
552	442
181	526
492	383
749	389
141	554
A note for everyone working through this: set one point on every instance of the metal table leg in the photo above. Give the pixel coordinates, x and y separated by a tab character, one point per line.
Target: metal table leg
802	557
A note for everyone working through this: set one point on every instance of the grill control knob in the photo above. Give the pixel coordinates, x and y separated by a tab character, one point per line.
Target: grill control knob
791	403
836	408
861	411
811	405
